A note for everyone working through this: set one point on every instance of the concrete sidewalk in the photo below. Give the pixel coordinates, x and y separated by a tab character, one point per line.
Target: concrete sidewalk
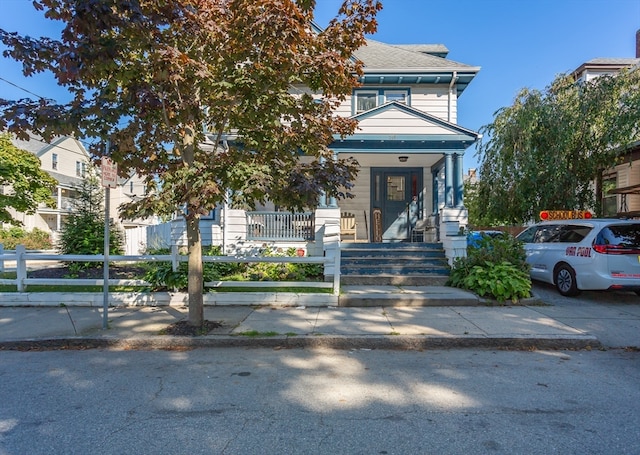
371	327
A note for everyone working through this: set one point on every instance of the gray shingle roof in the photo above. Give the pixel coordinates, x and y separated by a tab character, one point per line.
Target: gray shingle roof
439	50
614	61
378	56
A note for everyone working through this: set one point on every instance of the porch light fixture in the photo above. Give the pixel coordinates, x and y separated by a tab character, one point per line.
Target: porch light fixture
403	158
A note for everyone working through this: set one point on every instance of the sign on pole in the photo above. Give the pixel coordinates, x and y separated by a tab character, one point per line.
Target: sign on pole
109	173
109	180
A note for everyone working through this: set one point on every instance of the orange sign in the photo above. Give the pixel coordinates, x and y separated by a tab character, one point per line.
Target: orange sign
548	215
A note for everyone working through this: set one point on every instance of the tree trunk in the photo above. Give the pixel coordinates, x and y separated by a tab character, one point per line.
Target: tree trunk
196	281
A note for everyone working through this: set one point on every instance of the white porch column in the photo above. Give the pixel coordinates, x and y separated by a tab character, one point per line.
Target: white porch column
459	181
332	200
448	180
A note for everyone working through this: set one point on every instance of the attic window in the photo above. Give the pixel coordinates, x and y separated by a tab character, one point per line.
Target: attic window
366	101
54	161
399	96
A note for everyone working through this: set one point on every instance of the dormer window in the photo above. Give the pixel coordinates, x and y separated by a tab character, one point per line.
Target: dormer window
366	101
399	96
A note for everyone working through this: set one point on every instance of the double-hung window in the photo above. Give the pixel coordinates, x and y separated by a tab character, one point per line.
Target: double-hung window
81	168
54	161
366	100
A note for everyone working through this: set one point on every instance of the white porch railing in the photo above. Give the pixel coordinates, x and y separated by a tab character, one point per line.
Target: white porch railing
21	257
274	226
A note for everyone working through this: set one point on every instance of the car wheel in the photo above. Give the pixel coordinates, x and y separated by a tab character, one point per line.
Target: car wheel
565	279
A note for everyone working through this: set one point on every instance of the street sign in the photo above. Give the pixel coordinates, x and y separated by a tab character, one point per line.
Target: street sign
109	173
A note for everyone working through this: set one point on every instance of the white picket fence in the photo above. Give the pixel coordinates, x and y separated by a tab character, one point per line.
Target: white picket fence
20	258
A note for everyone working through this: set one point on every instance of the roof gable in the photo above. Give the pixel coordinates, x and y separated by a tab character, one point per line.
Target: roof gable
400	117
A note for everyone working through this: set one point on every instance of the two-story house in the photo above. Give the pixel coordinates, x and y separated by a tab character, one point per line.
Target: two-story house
408	145
68	162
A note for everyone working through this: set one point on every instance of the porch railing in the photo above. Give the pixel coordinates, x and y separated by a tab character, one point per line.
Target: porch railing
280	226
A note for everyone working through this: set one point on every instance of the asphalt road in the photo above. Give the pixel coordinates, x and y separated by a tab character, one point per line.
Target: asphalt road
265	401
613	317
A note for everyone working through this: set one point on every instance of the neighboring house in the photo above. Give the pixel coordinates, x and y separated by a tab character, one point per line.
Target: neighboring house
66	160
408	144
620	184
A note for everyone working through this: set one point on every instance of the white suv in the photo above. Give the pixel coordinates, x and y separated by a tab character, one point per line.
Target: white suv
590	254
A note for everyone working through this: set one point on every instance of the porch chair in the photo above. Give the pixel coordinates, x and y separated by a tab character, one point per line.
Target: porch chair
348	225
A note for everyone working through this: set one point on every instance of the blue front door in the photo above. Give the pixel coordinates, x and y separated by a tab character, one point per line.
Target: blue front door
395	203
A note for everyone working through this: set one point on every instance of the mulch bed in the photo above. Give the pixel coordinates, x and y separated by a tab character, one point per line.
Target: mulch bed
116	272
184	329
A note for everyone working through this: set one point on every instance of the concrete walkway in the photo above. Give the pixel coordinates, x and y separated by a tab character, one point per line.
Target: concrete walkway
390	319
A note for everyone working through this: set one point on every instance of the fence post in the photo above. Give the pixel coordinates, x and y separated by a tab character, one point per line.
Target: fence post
336	271
174	257
331	246
1	258
21	267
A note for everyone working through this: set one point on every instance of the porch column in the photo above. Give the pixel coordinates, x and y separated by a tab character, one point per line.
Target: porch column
322	202
459	181
434	193
333	202
448	180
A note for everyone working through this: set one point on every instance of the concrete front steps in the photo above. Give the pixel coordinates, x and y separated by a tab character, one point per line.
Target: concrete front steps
396	264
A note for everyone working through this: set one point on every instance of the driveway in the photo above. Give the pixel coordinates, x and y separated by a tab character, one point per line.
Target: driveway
613	317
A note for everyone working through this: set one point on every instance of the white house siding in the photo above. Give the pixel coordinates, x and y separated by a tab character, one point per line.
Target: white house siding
399	122
435	101
431	99
361	202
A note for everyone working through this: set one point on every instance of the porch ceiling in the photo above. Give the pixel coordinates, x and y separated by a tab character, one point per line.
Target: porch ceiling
385	160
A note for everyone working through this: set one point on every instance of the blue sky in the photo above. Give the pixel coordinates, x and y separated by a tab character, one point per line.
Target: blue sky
517	43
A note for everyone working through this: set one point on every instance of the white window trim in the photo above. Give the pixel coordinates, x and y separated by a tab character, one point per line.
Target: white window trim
359	93
397	92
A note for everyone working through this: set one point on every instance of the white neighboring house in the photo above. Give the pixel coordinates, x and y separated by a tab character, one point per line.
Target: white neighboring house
67	161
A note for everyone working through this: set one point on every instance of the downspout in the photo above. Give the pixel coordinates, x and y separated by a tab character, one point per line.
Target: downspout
454	77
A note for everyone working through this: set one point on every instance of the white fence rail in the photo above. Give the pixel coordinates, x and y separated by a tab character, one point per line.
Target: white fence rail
20	256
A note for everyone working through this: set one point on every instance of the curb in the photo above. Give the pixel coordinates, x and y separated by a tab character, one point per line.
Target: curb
393	342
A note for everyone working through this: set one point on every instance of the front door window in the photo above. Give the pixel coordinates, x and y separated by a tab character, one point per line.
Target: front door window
396	188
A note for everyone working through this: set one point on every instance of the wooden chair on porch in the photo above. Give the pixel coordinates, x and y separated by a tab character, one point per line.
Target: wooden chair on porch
348	225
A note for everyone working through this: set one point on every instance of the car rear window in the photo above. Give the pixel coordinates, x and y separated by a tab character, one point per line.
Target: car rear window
561	233
622	235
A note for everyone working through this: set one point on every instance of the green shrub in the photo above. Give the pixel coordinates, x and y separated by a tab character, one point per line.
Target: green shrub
36	239
496	268
502	281
161	275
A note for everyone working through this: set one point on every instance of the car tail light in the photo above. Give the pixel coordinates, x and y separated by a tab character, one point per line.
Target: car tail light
615	249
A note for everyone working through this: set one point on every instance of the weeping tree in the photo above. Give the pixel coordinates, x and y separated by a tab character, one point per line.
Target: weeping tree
549	148
206	98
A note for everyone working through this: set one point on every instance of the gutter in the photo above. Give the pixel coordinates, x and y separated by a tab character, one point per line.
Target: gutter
454	78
